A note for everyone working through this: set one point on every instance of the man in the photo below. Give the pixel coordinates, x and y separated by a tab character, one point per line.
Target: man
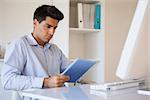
31	61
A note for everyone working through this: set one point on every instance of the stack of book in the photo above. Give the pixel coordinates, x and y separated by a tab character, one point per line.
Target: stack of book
89	15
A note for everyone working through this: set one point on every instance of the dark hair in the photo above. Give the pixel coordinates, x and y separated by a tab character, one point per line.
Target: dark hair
47	11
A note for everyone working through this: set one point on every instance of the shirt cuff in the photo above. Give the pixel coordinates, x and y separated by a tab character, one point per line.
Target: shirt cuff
37	82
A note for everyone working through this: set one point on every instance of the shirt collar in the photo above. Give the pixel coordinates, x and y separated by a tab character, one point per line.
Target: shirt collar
33	42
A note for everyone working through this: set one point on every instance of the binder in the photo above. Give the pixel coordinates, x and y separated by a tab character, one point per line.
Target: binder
88	15
76	69
86	11
92	12
80	15
97	16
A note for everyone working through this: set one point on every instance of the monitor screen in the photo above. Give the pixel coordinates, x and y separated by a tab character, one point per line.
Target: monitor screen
133	60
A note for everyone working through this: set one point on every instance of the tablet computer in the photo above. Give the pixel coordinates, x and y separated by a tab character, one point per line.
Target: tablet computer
76	69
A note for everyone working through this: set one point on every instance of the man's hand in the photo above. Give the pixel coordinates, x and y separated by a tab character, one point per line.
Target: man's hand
55	81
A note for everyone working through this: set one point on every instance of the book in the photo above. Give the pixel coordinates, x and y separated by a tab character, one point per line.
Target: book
80	15
76	69
97	16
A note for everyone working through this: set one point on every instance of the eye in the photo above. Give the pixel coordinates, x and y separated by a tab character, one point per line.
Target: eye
55	27
49	26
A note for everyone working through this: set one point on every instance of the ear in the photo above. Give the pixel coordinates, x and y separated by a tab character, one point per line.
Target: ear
35	22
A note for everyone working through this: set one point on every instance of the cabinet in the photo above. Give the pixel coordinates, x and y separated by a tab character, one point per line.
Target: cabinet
87	43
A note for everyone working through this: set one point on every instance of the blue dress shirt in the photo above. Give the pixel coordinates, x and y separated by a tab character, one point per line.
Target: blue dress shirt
26	63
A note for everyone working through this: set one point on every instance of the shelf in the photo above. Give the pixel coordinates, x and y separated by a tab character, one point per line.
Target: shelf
97	61
84	1
83	30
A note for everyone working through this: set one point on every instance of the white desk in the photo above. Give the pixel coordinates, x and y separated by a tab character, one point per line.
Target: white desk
82	93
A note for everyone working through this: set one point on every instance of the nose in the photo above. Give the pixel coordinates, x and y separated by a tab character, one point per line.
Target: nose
51	31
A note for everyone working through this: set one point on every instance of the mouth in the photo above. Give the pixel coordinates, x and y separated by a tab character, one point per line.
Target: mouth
49	37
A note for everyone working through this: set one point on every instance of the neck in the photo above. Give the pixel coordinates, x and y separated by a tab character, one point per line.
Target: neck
41	43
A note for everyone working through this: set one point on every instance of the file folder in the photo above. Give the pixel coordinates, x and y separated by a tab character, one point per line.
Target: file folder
80	15
97	16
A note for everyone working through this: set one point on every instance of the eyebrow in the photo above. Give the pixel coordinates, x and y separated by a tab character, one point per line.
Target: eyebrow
50	25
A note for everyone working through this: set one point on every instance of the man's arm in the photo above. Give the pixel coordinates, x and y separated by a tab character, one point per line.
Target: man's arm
13	80
12	72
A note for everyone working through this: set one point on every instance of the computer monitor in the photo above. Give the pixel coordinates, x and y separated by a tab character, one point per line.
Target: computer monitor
133	61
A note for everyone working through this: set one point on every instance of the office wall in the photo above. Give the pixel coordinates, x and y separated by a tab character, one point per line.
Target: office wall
16	20
119	15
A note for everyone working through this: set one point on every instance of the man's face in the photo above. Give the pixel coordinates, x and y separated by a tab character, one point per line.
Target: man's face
45	30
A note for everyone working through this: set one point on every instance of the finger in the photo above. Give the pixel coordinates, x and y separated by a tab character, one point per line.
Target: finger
68	78
55	81
59	84
59	79
64	77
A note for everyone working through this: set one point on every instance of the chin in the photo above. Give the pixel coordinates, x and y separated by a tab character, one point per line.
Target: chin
47	41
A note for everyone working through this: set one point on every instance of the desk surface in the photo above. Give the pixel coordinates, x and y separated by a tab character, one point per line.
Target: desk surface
83	93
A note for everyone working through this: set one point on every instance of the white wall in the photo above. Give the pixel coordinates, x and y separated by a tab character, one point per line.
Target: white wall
118	19
16	20
61	37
